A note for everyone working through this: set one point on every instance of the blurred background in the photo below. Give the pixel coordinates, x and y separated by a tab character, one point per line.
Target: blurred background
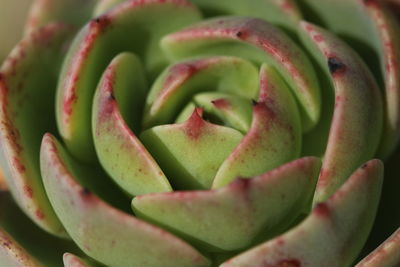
12	14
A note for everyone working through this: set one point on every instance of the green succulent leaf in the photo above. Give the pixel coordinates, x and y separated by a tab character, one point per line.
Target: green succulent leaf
172	147
200	133
284	13
101	231
233	217
71	260
182	80
97	44
386	255
119	100
332	234
28	77
274	137
23	243
357	105
43	12
256	40
375	34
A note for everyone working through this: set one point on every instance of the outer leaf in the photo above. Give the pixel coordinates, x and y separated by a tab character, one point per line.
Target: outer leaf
101	231
23	243
71	260
97	44
374	32
258	41
27	81
386	255
283	13
13	255
105	5
243	212
357	105
73	12
333	234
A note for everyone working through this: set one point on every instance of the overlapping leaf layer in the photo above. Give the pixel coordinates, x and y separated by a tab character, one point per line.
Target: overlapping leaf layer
198	133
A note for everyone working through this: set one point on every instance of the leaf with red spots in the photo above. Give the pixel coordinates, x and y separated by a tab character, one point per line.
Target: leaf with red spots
358	105
371	29
100	230
234	111
190	153
96	45
333	234
27	81
71	260
43	12
386	255
284	13
274	137
181	81
258	41
22	243
118	102
239	214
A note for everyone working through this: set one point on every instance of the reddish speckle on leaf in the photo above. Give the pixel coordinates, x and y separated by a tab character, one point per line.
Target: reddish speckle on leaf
18	165
69	102
28	191
39	214
283	263
370	2
318	38
364	166
221	103
289	263
322	209
85	192
194	125
336	66
102	22
242	34
242	186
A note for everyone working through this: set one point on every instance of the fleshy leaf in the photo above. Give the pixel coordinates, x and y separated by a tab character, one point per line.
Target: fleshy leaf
104	233
25	244
190	153
256	40
386	255
28	78
357	105
71	260
13	255
333	234
72	12
235	216
274	137
374	33
134	26
283	13
232	110
118	100
104	6
181	81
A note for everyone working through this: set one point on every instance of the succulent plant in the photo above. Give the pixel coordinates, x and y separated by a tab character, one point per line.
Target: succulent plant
198	133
